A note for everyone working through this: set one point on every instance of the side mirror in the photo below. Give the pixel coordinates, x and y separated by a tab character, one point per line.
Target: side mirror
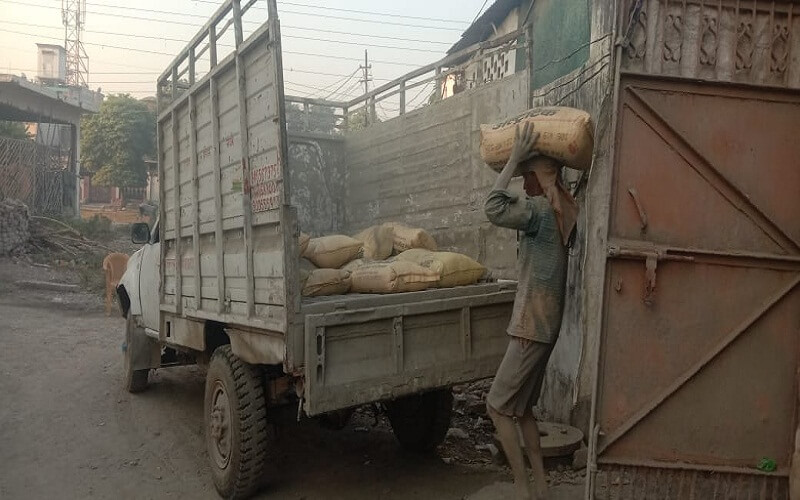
140	233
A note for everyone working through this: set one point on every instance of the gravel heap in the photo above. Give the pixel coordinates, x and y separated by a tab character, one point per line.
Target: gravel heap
14	226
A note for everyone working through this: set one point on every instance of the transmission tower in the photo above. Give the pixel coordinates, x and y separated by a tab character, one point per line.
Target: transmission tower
73	15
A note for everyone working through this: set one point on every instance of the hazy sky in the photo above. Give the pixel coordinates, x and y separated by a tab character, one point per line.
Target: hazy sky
128	47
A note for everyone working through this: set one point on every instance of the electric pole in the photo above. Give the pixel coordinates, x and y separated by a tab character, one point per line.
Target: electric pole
73	15
366	79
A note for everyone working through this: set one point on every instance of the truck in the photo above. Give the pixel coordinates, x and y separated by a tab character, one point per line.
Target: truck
217	279
679	354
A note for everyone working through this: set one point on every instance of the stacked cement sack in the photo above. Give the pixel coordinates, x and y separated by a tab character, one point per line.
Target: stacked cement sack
389	258
14	230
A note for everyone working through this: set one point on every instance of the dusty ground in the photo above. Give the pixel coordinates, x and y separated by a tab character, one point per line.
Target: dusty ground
68	430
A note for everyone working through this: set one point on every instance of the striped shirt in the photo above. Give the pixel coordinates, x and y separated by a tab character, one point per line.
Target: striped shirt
542	264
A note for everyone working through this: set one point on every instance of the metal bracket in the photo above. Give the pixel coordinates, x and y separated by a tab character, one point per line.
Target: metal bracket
639	207
651	255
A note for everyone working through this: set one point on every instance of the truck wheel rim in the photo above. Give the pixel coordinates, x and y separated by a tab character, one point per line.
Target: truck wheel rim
220	426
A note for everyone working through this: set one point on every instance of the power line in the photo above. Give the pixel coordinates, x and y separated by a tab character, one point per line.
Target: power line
205	18
479	12
372	45
183	14
327	56
386	14
155	37
286	70
325	74
104	45
349	78
401	39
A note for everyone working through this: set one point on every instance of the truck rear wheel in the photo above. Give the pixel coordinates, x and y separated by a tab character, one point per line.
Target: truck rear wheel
235	424
420	422
134	380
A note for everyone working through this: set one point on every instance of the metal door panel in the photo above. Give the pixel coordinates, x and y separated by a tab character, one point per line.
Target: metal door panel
698	376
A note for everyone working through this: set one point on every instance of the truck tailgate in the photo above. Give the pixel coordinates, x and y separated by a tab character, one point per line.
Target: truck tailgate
365	348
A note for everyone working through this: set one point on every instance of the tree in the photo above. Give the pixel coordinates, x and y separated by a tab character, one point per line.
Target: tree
357	120
321	119
14	130
116	141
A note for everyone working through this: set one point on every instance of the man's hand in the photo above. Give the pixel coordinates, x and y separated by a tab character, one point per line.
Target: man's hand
524	142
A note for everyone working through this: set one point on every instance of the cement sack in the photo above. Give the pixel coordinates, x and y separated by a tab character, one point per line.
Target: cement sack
454	269
321	282
392	277
355	264
406	238
302	243
566	134
378	242
332	252
306	266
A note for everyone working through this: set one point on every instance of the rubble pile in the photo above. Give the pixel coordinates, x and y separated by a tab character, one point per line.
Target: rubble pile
14	226
52	235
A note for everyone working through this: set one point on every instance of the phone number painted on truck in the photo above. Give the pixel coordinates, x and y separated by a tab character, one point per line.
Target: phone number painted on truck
265	187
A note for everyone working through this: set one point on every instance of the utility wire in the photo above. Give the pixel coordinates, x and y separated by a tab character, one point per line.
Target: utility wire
386	14
167	39
350	78
184	14
479	12
309	54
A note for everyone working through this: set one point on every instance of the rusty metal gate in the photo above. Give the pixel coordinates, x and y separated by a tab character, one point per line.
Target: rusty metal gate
698	376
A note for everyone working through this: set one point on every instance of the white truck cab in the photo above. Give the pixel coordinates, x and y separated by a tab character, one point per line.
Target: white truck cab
139	284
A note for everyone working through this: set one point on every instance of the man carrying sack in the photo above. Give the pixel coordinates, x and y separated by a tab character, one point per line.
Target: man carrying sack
545	220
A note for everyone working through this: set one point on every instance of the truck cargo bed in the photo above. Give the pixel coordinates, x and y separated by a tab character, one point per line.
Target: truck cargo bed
330	303
365	348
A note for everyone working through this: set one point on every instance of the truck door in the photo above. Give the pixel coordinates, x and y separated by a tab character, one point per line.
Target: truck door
149	280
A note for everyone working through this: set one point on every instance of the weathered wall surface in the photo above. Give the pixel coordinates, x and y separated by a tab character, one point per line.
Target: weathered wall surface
318	173
424	169
754	42
589	87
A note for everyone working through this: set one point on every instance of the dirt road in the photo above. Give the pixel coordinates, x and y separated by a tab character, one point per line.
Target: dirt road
68	430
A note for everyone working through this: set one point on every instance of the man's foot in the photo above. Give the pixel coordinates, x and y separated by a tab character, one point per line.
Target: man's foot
541	492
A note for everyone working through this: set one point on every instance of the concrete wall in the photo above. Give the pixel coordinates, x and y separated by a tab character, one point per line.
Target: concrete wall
424	169
566	395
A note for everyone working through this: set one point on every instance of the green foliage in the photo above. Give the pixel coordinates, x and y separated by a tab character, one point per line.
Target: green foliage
321	119
14	130
116	140
357	120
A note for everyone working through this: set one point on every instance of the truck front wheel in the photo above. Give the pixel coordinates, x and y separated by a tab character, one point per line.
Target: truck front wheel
136	343
235	424
420	422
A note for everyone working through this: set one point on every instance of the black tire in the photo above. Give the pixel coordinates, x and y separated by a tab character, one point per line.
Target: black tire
236	427
420	422
133	380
